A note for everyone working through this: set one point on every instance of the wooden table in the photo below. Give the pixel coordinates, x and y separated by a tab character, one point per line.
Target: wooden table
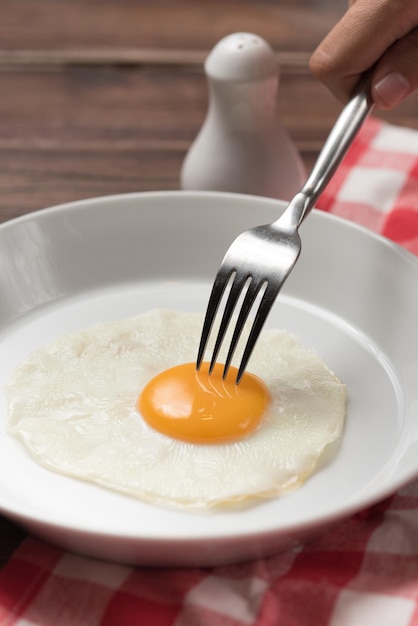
105	96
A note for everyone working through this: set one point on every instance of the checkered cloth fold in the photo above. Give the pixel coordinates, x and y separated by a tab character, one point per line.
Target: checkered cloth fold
363	573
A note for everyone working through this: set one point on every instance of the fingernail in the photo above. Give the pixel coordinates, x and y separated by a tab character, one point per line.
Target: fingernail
392	89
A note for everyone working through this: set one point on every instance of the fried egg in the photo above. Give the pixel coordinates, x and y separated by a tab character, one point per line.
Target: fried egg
120	405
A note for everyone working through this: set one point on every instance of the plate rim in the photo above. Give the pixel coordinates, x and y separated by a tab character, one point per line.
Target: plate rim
319	518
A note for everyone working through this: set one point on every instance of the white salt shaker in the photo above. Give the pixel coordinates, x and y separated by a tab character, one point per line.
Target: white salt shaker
242	146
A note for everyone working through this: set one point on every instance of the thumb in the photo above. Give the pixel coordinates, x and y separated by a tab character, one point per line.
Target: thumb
396	74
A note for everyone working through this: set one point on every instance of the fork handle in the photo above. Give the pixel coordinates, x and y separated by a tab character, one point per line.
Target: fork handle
339	140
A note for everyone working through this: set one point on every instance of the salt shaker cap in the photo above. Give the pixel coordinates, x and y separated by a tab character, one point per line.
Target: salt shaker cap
241	57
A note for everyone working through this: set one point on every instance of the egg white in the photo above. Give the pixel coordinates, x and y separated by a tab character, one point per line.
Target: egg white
73	405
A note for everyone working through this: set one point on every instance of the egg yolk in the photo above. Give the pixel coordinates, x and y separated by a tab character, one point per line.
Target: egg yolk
199	407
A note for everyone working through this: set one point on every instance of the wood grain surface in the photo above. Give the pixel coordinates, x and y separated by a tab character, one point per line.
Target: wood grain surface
101	96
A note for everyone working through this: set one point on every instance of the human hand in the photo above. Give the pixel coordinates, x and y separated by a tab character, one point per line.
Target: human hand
383	33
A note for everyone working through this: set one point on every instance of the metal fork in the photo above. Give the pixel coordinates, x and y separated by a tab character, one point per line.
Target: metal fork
260	259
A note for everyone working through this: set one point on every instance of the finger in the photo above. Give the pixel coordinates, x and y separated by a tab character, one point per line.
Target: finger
396	75
359	40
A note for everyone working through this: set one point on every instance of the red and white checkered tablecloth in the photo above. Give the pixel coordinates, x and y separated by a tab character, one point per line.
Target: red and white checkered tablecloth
363	573
377	183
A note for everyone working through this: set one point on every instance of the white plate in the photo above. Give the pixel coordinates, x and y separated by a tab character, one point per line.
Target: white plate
353	297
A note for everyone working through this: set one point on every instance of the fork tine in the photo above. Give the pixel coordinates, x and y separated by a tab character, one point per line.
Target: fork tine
218	288
235	292
269	296
253	289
